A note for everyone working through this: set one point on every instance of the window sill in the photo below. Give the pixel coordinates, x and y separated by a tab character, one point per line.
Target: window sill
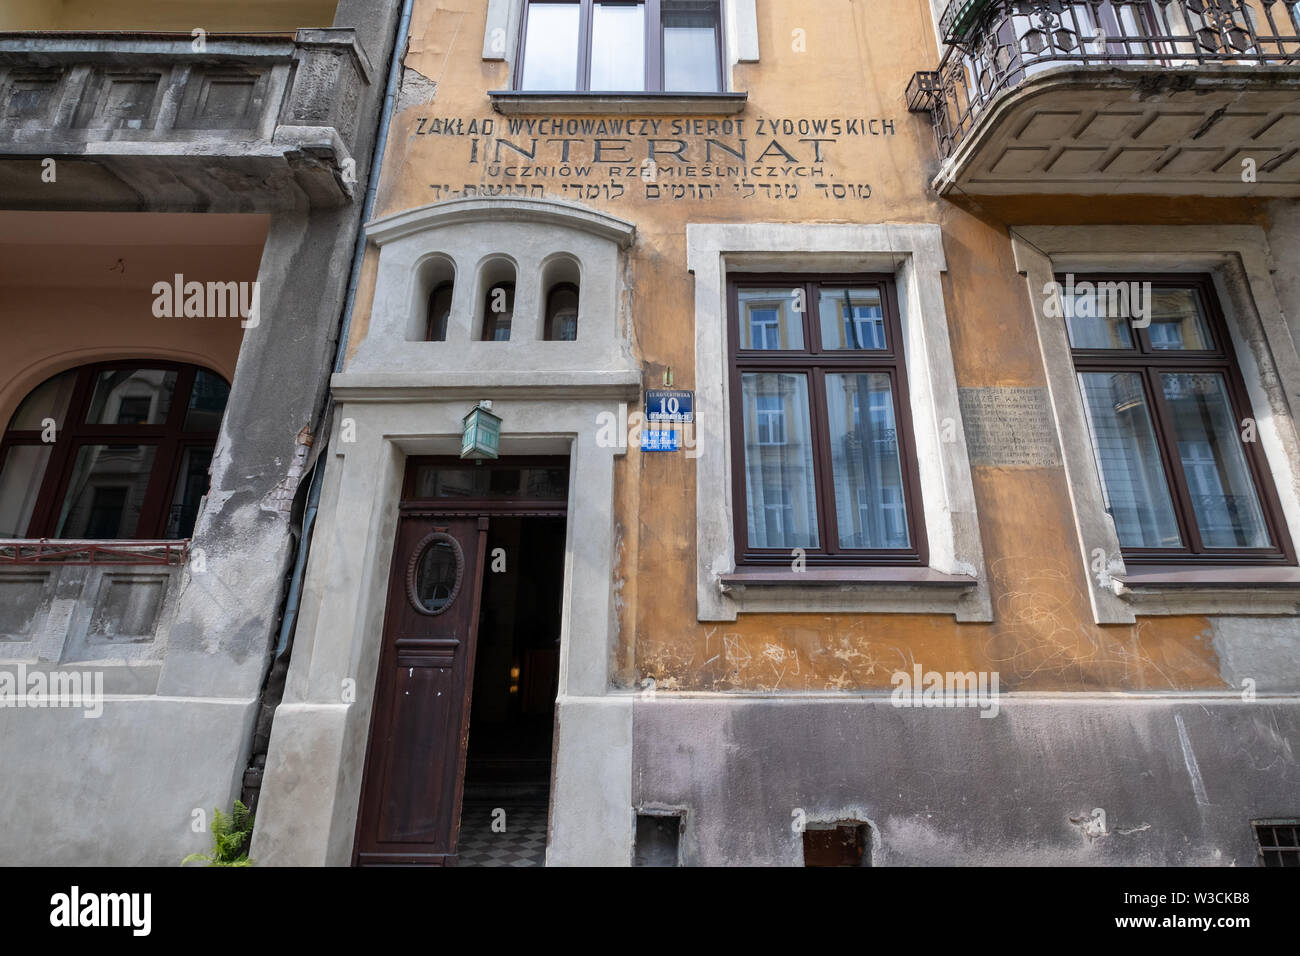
864	590
525	103
1211	590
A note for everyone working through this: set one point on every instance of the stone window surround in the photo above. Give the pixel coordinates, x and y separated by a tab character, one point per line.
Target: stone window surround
1239	261
956	581
739	29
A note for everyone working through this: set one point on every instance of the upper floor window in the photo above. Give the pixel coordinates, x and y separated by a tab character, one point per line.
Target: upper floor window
808	356
1172	430
620	46
439	312
562	313
498	312
113	450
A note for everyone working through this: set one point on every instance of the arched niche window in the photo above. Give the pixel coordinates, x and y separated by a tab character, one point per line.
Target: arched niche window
561	279
111	450
437	281
498	312
562	313
439	312
497	280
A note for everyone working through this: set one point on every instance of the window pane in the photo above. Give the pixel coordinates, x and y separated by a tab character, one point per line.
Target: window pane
1227	507
768	319
106	491
562	315
779	485
439	313
498	312
207	402
1176	321
1132	475
870	503
20	483
48	400
131	396
690	46
533	481
1093	324
618	47
551	47
191	486
852	319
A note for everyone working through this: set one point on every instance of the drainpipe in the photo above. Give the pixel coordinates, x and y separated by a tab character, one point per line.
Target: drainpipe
289	620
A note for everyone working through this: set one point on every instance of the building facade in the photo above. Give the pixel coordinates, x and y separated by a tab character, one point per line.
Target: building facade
181	186
763	433
979	545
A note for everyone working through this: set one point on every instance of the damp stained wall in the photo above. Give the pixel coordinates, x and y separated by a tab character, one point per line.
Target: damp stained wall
852	67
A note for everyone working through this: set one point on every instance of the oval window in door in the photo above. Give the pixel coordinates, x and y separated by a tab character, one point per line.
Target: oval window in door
434	577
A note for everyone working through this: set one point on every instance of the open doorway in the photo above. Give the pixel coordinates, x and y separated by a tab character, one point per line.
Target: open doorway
462	723
516	678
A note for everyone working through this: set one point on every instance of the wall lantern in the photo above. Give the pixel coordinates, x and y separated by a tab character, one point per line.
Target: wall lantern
480	433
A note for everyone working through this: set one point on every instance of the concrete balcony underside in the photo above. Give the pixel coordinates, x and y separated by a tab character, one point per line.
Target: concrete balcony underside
150	122
1103	130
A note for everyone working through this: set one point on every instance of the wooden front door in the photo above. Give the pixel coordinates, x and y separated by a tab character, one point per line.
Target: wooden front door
415	761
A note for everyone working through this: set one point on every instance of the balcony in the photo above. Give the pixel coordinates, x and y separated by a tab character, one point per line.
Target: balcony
1164	97
168	121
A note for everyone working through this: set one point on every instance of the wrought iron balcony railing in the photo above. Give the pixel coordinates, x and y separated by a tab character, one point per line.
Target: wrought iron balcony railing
996	45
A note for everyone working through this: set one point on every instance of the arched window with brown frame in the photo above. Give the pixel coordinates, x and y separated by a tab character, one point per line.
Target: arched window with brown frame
498	312
113	450
439	312
562	313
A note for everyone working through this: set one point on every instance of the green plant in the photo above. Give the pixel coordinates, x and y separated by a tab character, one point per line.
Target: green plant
230	836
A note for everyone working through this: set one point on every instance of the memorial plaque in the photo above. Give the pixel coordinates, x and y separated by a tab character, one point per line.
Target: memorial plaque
1009	427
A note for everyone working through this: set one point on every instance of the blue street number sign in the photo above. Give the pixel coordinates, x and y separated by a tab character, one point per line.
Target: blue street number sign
670	405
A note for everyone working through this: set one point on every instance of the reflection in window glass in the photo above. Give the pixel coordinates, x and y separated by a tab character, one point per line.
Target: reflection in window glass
1089	329
1228	513
690	46
106	491
498	312
48	400
551	47
562	313
1128	459
191	486
131	396
20	483
435	575
532	481
1176	321
207	402
852	319
768	319
617	47
439	313
865	464
776	406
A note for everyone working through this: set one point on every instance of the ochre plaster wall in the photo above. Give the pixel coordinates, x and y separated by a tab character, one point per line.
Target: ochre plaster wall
856	65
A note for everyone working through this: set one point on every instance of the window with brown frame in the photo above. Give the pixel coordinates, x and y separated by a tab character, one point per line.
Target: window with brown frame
562	313
820	421
439	313
1173	435
498	312
110	451
623	46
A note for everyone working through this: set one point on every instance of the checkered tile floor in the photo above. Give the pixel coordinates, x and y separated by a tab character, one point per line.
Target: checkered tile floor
522	844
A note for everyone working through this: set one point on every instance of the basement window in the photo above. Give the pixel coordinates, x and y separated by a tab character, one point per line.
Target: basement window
658	839
838	844
1279	841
